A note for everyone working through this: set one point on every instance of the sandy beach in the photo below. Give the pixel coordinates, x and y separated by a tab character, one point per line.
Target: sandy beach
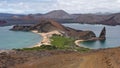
45	37
77	42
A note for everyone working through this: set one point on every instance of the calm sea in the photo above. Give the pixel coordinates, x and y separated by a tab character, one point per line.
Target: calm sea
17	39
112	37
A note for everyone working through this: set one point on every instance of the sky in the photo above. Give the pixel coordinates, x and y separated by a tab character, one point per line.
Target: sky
71	6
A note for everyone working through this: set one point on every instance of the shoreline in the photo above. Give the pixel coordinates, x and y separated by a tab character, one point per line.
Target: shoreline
45	37
77	42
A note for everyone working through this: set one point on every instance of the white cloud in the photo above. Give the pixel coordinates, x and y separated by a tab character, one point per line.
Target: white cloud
90	6
71	6
37	6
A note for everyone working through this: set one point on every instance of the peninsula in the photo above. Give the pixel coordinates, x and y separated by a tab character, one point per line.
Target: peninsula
47	28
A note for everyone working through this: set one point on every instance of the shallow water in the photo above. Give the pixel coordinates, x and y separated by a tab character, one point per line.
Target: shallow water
17	39
112	35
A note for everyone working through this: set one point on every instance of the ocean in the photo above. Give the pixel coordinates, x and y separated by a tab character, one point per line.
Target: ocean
112	35
17	39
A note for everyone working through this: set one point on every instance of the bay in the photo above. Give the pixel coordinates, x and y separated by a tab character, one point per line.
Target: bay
17	39
112	35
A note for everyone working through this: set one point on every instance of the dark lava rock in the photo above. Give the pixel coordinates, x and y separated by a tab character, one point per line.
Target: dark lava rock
21	27
103	34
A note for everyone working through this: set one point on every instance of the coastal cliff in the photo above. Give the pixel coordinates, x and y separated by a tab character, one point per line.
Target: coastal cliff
50	25
46	26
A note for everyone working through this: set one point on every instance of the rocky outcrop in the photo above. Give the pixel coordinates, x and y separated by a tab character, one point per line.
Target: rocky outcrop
21	27
50	25
103	34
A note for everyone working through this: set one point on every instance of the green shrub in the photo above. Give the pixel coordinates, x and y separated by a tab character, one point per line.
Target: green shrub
43	47
82	49
61	41
48	47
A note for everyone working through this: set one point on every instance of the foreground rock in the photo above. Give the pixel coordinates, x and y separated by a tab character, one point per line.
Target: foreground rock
50	25
104	58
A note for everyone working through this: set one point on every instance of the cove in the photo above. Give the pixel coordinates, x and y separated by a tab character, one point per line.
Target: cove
112	35
17	39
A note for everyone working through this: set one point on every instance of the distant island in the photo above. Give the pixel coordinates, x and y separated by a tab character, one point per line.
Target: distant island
62	17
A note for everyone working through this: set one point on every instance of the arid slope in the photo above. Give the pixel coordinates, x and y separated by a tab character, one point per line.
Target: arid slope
100	59
104	58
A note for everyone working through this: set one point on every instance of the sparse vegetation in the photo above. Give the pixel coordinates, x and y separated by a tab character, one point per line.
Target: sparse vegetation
82	49
62	42
43	47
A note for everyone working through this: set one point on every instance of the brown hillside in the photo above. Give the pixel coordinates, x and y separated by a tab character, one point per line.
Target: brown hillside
105	58
102	59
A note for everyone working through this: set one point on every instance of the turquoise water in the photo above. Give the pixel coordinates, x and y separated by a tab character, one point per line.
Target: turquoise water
17	39
112	36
